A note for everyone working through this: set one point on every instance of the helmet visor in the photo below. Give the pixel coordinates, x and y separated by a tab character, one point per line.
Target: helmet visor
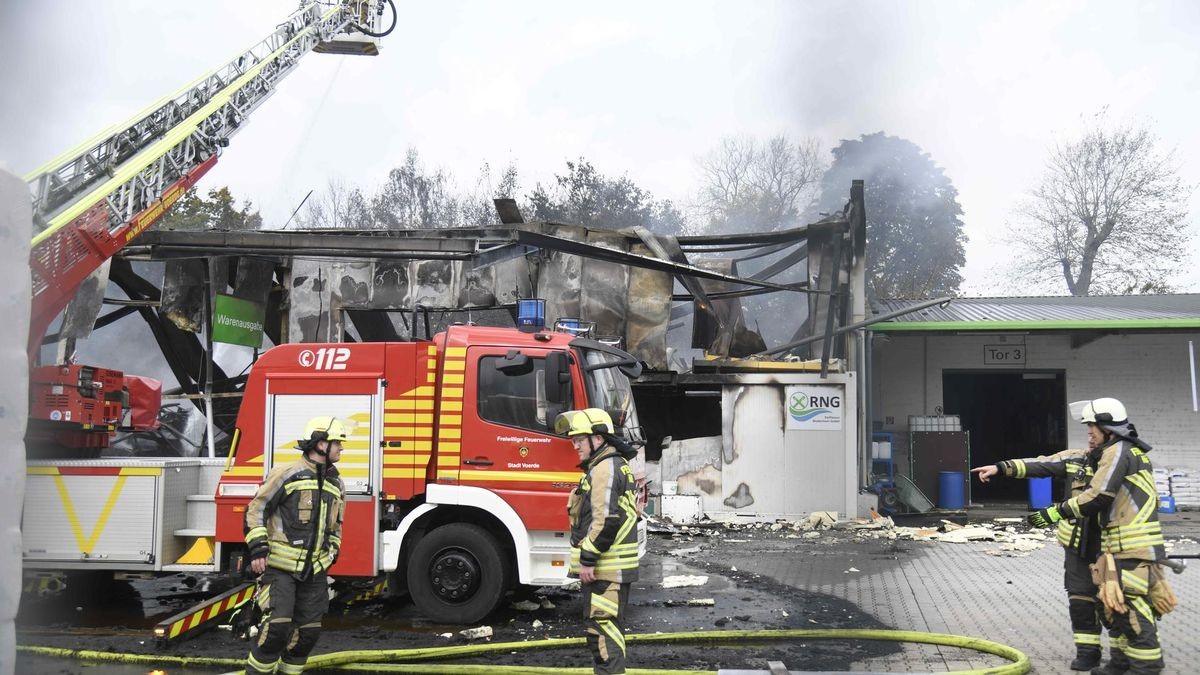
1075	410
572	423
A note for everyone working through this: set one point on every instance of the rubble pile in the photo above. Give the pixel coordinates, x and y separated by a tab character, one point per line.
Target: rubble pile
1013	537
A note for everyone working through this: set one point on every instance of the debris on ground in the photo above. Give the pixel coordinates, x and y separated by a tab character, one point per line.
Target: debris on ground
476	633
819	520
525	606
961	535
684	581
1018	548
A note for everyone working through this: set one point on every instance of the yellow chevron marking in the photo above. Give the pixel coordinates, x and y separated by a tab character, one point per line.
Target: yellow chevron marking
453	378
451	433
408	418
404	473
431	350
452	393
415	460
456	365
244	471
452	406
450	420
86	545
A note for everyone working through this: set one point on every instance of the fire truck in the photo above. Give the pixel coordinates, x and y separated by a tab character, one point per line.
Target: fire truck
455	486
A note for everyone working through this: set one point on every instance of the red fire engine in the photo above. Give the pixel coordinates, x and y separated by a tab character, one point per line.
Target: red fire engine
454	480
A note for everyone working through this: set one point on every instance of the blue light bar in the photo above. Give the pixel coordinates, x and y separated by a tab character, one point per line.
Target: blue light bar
531	314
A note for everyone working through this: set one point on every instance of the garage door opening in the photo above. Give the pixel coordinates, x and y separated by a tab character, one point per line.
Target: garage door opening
1008	415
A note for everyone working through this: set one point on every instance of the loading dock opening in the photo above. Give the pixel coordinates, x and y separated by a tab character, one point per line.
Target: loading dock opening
1008	414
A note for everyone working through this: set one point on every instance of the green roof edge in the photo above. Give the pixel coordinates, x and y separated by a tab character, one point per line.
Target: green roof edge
1108	324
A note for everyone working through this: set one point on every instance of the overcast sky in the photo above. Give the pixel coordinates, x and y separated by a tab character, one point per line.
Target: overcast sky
642	88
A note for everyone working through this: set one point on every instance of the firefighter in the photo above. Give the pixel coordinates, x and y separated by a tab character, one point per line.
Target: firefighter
293	535
1122	500
1080	541
604	538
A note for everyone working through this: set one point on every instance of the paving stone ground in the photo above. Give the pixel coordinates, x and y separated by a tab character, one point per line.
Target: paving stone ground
958	589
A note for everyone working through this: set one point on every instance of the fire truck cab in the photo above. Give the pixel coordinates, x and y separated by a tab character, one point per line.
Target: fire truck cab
455	483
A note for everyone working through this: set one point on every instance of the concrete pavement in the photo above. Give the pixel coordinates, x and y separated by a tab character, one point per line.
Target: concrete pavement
958	588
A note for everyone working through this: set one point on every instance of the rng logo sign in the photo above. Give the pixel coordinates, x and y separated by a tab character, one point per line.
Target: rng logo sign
325	358
814	406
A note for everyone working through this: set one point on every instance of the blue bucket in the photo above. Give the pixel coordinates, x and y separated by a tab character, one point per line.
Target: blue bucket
1039	493
951	487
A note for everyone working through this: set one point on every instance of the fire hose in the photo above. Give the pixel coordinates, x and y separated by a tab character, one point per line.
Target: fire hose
417	660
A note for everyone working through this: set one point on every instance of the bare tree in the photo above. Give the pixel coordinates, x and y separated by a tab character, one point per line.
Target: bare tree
751	185
413	197
1109	215
339	206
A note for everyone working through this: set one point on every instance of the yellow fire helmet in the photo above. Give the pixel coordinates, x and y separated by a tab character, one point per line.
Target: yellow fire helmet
325	428
583	422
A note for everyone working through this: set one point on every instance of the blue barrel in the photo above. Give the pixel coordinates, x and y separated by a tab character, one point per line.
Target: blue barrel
1039	493
950	490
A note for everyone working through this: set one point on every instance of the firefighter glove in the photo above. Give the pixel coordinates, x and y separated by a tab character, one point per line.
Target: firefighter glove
1108	578
1044	517
1162	598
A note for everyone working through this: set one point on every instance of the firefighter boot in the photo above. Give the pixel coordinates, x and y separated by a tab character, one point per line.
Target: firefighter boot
1086	659
1118	663
1085	623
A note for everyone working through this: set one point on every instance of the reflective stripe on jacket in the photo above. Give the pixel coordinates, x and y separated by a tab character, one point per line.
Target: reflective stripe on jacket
1129	526
300	532
604	515
1071	465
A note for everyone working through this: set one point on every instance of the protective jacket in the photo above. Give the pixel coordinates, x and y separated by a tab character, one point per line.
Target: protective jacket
603	511
1123	498
295	518
1073	465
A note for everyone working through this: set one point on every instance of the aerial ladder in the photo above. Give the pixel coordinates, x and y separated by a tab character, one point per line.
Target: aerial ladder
92	200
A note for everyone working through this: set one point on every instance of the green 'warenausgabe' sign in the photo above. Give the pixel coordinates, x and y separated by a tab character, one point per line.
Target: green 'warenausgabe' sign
237	321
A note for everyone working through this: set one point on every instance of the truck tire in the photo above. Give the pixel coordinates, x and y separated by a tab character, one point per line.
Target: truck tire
457	574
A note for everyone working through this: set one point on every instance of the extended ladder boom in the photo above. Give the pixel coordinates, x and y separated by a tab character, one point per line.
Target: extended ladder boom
92	200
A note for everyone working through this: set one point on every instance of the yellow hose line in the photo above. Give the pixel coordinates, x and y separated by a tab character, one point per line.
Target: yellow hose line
408	660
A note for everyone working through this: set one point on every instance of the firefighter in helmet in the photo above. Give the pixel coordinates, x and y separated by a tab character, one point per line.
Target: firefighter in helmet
293	535
604	535
1122	503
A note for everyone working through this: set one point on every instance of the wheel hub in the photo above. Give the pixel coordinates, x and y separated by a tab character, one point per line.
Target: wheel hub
455	576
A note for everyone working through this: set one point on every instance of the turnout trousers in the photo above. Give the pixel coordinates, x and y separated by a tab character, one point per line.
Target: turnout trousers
604	613
291	623
1137	629
1084	609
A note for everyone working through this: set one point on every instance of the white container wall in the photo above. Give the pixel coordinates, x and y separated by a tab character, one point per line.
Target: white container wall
16	227
788	446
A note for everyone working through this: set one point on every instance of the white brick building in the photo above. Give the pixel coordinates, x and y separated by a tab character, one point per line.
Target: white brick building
1009	366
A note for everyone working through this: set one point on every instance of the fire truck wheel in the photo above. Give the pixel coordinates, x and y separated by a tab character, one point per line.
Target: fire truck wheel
457	573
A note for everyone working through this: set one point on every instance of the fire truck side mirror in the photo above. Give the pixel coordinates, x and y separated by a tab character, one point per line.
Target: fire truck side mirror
515	363
558	378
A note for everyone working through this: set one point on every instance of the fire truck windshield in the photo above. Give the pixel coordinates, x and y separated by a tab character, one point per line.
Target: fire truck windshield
610	389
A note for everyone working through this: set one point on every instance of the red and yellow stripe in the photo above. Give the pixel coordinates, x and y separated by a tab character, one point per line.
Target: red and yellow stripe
211	609
449	422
